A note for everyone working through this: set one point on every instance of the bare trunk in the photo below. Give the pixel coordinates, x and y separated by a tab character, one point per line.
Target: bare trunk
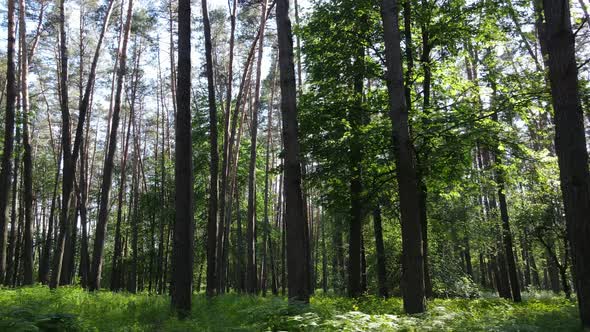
251	283
27	158
413	263
182	253
297	255
6	166
570	143
214	166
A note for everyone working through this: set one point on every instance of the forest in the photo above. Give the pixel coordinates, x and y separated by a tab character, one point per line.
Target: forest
294	165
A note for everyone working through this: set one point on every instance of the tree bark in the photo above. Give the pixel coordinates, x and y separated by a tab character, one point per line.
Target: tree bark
214	166
27	156
6	166
413	264
570	143
381	258
297	257
182	252
355	118
68	165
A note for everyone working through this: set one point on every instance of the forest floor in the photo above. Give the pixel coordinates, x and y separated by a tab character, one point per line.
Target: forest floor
72	309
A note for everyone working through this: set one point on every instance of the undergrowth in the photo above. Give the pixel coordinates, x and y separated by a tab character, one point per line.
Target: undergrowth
72	309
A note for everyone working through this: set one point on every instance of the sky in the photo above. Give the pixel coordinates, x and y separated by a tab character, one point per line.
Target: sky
223	3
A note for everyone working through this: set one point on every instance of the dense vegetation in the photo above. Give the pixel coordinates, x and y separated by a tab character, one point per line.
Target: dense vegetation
73	309
372	165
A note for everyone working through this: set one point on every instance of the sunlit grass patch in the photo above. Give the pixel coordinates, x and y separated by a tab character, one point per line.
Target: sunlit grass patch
73	309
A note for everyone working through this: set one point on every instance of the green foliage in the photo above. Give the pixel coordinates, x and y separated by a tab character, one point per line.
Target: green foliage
72	309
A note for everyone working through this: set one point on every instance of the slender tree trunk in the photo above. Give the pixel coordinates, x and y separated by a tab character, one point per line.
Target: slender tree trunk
82	196
241	276
251	283
100	232
467	254
117	268
267	239
507	237
182	255
16	273
381	258
225	164
27	158
212	217
6	166
46	253
324	257
133	275
68	165
423	190
12	237
355	116
413	264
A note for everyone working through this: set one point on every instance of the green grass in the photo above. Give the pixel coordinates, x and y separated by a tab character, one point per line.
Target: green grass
72	309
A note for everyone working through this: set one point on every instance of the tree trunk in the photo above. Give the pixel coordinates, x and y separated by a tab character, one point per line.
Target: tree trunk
267	165
356	185
324	257
225	164
251	283
27	158
6	166
381	258
133	275
212	217
297	257
46	253
570	143
507	237
101	224
413	265
423	190
12	237
117	268
68	165
182	253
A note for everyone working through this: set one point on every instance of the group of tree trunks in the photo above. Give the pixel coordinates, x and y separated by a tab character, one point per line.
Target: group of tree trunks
56	260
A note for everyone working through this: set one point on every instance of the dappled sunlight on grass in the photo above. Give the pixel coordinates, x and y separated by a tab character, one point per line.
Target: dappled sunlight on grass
72	309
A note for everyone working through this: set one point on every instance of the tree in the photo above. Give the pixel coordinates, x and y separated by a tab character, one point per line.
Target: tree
297	256
381	258
70	156
570	144
227	147
182	252
413	265
251	280
68	163
96	267
6	166
214	168
27	156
